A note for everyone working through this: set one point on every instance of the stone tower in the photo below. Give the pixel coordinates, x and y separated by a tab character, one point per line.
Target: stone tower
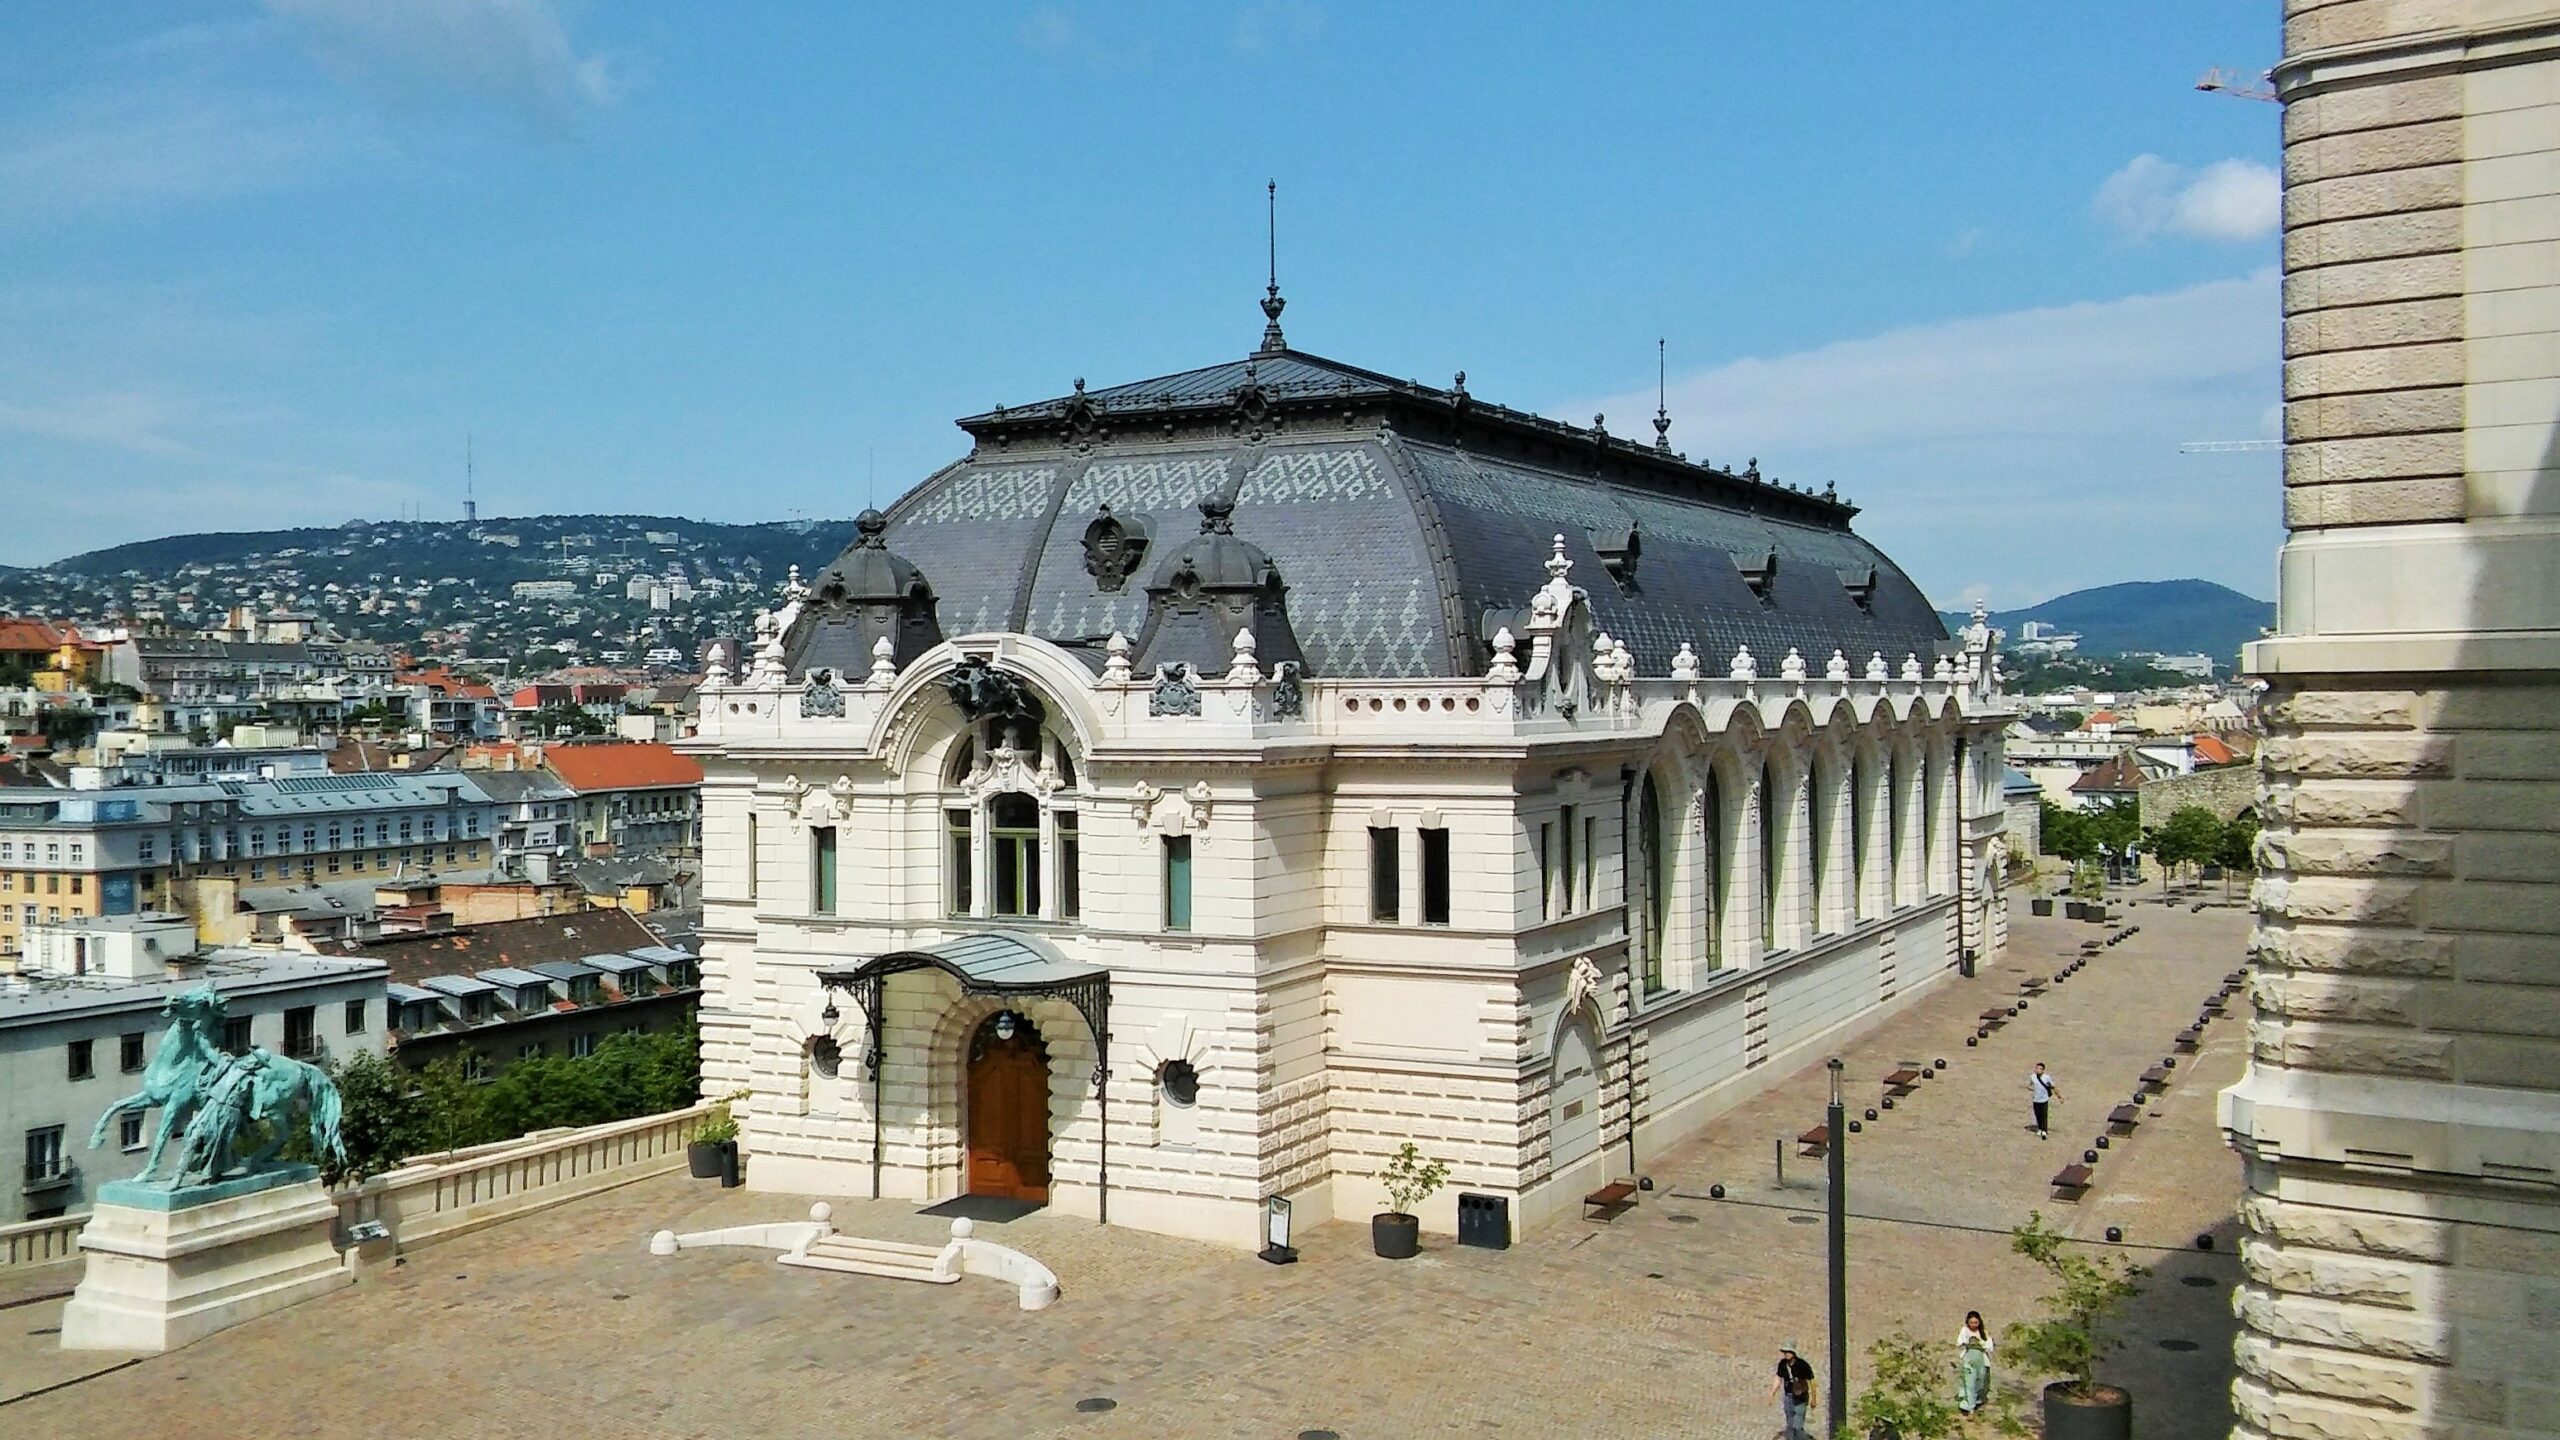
2400	1120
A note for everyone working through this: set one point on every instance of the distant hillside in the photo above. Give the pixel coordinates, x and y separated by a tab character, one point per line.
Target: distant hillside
450	547
2172	617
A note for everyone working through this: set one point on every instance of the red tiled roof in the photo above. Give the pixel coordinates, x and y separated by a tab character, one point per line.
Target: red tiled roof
2211	751
620	767
20	636
2105	717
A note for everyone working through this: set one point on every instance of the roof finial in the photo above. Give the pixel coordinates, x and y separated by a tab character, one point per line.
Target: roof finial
1272	304
1661	396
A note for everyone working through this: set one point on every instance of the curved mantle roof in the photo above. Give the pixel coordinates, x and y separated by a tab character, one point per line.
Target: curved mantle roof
1408	522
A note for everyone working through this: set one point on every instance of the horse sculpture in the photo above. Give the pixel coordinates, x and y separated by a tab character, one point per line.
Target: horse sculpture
211	1099
174	1080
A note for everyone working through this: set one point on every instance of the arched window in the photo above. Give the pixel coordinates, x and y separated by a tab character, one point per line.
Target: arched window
1858	810
1818	830
1014	861
1657	897
1768	812
1897	803
1712	850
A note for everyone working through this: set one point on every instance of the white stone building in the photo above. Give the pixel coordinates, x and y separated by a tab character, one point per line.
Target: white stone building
1055	855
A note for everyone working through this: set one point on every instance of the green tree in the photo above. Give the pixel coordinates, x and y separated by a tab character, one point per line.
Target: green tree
449	1106
2190	836
2067	833
380	1115
561	718
2070	1337
1909	1395
2237	848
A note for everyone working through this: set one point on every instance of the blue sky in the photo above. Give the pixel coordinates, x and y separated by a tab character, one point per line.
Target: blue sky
269	263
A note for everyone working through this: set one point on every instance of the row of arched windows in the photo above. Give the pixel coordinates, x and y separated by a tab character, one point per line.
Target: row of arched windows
1799	844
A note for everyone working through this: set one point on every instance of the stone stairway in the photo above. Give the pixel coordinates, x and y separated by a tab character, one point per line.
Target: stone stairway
889	1259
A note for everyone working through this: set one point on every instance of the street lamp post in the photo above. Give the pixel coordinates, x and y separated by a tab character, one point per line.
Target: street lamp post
1837	1411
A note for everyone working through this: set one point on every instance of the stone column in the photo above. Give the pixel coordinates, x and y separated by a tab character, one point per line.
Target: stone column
2400	1119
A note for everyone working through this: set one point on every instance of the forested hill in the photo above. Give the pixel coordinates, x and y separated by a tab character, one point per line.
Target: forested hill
2170	617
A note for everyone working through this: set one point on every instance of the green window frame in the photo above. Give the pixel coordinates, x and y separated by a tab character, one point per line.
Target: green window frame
822	853
1177	882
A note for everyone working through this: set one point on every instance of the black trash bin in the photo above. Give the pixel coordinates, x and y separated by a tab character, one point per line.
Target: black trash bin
1484	1221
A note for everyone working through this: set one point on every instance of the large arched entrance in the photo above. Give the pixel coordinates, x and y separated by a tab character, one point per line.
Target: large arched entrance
1573	1098
1008	1109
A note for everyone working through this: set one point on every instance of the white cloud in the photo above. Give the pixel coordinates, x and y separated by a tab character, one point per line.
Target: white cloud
515	54
123	421
2230	200
111	151
1988	451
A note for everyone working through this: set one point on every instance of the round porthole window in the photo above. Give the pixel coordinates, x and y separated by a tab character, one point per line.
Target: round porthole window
1180	1083
825	1056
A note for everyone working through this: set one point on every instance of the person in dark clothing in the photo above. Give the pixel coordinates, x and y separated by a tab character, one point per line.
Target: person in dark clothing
1794	1389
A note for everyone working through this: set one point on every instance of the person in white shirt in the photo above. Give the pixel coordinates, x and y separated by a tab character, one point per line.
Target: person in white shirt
2040	1093
1973	1363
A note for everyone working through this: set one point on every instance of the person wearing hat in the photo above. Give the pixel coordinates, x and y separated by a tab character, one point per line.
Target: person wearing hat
1794	1389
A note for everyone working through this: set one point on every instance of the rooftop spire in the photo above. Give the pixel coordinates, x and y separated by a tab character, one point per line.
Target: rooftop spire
1661	397
1272	304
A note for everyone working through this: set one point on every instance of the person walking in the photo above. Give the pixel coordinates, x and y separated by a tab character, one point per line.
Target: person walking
1973	1363
1794	1390
2040	1093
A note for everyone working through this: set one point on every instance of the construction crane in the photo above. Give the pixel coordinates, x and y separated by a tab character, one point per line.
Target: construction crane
2232	82
2228	447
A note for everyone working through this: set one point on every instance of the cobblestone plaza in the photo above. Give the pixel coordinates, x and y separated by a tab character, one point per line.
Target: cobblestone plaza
1662	1321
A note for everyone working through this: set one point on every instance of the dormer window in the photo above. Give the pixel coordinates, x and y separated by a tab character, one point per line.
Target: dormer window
1760	572
1619	548
1861	585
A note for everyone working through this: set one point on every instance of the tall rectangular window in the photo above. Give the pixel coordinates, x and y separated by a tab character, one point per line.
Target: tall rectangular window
1590	858
956	861
823	891
83	1061
301	1032
752	829
1435	877
1565	906
1386	877
129	1051
1014	856
1177	882
44	1153
1070	863
235	1035
355	1017
1546	869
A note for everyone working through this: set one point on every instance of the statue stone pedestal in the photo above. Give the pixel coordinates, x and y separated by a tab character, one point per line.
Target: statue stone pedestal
167	1267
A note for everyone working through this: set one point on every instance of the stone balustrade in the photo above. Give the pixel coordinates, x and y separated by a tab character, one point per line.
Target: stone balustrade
434	1198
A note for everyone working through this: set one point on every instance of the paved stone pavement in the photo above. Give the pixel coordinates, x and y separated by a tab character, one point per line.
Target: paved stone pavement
1661	1322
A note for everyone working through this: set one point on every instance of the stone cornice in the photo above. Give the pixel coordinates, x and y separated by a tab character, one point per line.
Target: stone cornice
2403	57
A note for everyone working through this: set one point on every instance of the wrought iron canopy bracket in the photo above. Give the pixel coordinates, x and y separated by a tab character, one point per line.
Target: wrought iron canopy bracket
868	984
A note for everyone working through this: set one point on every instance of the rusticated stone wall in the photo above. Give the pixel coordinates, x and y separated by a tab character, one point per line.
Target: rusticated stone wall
2400	1119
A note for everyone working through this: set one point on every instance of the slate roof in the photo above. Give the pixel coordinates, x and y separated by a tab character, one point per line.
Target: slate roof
522	944
2118	776
1406	520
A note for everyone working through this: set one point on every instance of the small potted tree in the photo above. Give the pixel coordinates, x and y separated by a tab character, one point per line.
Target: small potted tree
1409	1180
2068	1339
1908	1398
713	1139
2041	890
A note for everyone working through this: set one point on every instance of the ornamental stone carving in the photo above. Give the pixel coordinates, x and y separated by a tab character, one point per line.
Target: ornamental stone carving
1177	692
821	700
1744	666
1876	668
1684	663
1838	669
1115	659
1505	669
1582	987
1171	812
1006	768
1288	697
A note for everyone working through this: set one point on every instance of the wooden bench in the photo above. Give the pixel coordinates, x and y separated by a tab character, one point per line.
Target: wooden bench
1816	1141
1994	1019
2070	1182
2124	1118
2157	1077
1899	1083
2031	988
1612	1198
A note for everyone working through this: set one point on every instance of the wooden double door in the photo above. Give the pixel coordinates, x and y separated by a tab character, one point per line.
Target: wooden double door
1008	1114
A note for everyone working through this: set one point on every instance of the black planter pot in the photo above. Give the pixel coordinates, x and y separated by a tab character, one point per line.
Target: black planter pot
2095	914
2075	910
2106	1415
729	1179
1395	1237
2041	907
702	1159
